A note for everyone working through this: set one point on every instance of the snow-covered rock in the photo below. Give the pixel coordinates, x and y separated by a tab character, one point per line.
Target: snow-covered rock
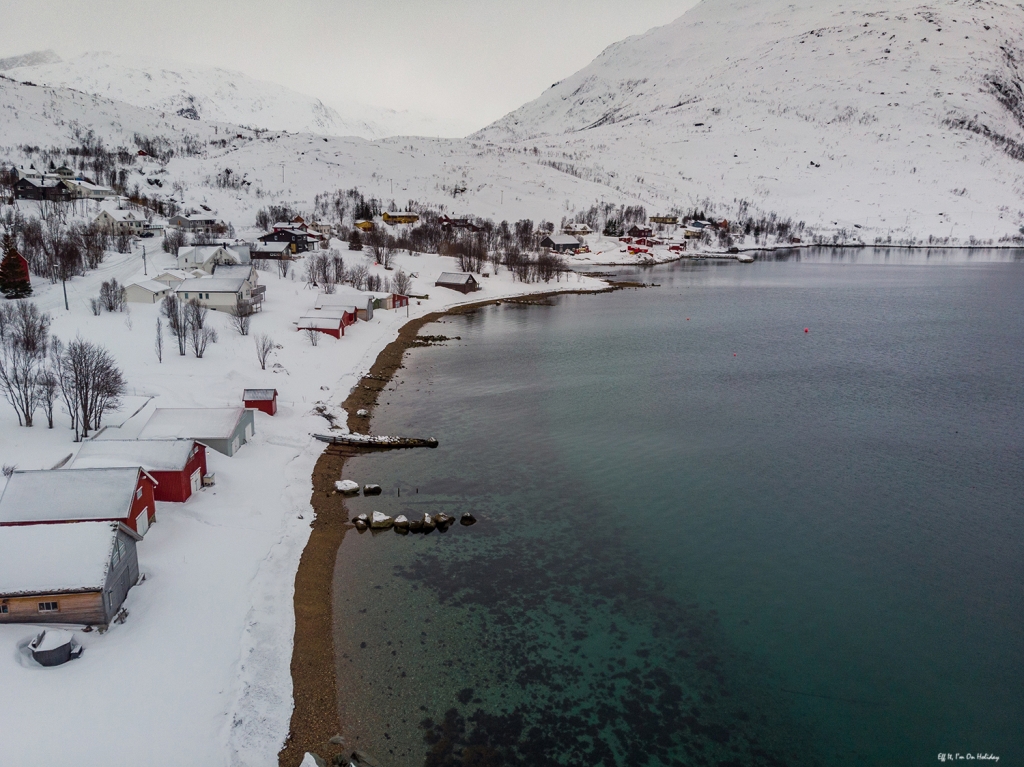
380	520
346	486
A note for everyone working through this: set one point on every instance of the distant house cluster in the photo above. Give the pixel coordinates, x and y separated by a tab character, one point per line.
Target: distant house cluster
333	312
61	184
69	536
288	238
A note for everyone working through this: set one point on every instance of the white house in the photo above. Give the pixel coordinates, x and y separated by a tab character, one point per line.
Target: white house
222	294
85	190
122	221
238	270
205	257
146	292
194	222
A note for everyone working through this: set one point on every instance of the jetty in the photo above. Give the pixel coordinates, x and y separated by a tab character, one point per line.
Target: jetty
375	441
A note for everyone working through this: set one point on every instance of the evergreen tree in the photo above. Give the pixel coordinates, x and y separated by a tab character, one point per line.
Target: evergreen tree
14	278
355	242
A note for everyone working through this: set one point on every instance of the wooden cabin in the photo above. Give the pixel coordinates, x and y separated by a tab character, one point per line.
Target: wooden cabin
560	243
119	494
399	217
464	282
640	231
264	400
178	465
74	573
224	429
364	225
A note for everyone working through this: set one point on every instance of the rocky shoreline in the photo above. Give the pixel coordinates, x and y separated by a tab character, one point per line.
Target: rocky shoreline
314	719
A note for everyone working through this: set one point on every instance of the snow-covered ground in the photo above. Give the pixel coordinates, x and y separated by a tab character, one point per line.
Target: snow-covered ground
199	673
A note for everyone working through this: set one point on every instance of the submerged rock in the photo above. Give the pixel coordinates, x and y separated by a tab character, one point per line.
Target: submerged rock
467	519
380	521
346	487
371	490
416	526
361	525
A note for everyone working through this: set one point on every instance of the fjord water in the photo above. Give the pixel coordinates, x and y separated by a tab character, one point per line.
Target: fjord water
705	536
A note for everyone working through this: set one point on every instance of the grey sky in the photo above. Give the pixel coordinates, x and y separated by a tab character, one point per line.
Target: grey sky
466	62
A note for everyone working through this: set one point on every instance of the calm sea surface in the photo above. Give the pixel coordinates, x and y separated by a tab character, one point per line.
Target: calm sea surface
705	536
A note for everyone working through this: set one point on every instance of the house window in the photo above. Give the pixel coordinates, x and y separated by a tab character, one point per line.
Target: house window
3	609
48	607
138	492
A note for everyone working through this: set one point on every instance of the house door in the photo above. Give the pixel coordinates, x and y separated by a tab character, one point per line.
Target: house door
234	445
196	481
142	522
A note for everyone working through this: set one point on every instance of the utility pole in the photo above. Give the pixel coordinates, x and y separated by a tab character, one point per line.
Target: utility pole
144	270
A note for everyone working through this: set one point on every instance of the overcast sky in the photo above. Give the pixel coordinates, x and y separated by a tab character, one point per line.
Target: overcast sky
467	62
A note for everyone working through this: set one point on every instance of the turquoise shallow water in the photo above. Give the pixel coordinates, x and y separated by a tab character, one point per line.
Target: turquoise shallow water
705	537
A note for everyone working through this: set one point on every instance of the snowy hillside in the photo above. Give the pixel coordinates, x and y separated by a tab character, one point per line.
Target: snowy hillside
894	116
209	94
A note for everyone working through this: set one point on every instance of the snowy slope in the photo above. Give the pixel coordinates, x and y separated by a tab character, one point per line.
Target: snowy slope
210	94
913	114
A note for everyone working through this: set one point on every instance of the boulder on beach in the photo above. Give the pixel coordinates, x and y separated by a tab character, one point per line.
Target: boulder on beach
402	521
467	519
371	490
346	486
362	412
380	521
312	760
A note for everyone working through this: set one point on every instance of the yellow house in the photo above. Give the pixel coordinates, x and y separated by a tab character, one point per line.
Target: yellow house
363	224
400	217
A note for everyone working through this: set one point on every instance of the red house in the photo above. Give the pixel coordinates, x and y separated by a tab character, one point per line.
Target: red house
124	494
178	465
261	399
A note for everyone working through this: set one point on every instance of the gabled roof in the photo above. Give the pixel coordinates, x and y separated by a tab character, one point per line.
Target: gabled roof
124	215
54	559
343	296
321	321
456	278
151	285
259	394
65	495
563	239
152	455
270	247
192	423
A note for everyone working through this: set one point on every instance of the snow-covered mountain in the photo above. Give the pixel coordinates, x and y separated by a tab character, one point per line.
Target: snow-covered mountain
888	114
208	94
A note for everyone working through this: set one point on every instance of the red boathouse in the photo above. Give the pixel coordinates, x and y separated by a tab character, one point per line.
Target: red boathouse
261	399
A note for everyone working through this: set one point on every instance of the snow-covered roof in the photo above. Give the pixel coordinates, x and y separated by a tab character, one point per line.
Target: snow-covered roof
456	278
259	394
343	296
243	271
151	285
124	215
176	275
318	321
192	423
69	494
50	559
152	455
211	285
270	247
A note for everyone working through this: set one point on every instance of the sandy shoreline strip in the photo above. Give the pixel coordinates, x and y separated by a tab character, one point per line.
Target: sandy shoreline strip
315	715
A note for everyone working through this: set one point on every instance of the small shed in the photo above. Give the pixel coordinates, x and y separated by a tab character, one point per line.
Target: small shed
121	494
224	429
560	243
264	400
76	573
464	282
389	300
178	465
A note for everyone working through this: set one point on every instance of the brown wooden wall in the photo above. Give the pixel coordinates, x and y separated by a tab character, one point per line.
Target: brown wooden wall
85	609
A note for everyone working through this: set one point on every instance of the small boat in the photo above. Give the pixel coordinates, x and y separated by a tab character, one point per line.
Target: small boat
53	647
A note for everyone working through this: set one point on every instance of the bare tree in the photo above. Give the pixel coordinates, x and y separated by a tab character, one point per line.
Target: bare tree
401	283
112	296
159	343
199	334
242	317
90	383
264	346
24	336
48	389
174	310
357	276
313	335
